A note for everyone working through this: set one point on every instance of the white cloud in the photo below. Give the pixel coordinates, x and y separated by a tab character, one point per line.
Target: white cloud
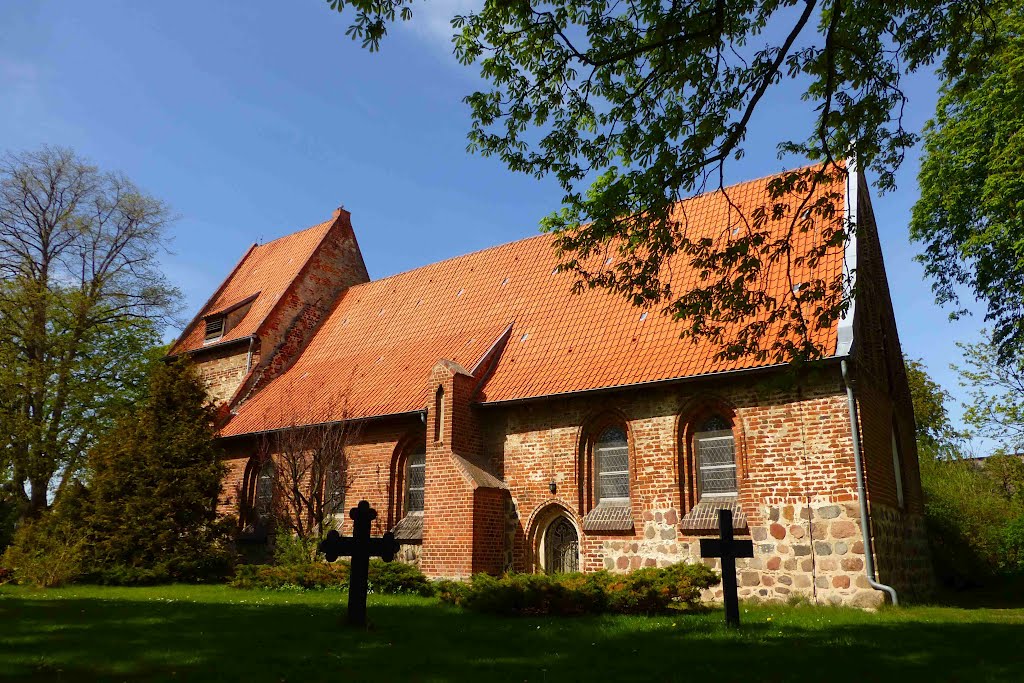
431	20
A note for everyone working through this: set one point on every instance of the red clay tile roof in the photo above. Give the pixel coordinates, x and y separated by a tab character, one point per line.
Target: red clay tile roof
373	354
263	275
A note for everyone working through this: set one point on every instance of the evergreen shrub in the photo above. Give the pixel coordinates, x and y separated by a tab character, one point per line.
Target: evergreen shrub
46	552
643	591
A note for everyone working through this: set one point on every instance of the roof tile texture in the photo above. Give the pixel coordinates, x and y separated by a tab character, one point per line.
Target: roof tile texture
374	352
265	271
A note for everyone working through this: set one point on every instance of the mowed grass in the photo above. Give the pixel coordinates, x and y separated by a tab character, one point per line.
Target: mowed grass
215	633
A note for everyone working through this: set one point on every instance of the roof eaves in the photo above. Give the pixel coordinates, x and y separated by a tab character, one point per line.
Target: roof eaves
657	382
351	420
217	345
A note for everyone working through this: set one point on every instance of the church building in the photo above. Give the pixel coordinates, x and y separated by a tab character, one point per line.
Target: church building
502	422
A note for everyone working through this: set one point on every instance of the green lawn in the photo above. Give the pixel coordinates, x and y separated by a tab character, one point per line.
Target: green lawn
222	634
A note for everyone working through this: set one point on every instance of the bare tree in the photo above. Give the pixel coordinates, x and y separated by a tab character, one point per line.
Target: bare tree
310	475
82	299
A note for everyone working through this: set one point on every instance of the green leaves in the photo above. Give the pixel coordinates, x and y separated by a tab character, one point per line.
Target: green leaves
970	216
81	302
936	437
154	480
996	409
634	105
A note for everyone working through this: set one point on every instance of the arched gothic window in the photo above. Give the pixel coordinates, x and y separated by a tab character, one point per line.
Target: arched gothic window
415	481
611	466
410	470
334	489
714	449
263	499
605	487
897	461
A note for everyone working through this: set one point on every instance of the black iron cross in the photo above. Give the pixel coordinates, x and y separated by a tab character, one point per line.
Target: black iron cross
728	549
360	547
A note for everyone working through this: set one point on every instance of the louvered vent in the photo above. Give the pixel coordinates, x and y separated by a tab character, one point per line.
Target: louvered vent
214	329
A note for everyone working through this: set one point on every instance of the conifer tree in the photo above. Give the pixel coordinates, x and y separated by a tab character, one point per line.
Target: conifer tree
155	477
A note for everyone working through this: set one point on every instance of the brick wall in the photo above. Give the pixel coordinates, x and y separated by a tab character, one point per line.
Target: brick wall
794	459
883	398
448	498
796	479
336	265
223	368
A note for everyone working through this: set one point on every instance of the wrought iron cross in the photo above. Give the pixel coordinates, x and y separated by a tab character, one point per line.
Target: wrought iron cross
728	549
360	547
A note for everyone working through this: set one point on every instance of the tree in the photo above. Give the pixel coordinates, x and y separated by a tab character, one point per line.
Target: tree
996	409
936	436
310	470
81	302
633	105
153	484
970	217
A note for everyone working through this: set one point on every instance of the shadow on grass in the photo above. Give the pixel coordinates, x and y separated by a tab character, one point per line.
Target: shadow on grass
1002	593
77	639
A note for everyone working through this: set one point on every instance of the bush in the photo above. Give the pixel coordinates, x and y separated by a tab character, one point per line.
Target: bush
1012	546
46	552
398	578
292	551
384	577
149	511
970	521
215	568
644	591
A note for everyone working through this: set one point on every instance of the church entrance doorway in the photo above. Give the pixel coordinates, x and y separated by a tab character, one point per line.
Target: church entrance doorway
561	546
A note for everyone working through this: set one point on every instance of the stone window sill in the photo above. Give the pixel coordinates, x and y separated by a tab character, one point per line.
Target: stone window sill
703	518
617	517
409	529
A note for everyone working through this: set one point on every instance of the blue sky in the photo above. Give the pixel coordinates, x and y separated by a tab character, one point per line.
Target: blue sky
256	119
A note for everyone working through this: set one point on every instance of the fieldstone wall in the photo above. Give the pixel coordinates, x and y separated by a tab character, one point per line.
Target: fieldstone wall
815	551
409	553
659	546
901	548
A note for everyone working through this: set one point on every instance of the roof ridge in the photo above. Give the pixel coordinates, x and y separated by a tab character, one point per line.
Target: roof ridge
450	259
740	184
331	220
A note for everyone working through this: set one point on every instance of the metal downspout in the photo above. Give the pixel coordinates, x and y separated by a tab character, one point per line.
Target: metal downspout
869	555
248	357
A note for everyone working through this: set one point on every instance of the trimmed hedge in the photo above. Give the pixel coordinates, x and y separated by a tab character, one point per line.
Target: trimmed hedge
384	577
644	591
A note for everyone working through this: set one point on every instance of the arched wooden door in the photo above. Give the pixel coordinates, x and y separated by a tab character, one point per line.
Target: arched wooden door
561	547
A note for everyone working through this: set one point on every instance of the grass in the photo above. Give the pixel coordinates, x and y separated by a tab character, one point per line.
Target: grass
200	633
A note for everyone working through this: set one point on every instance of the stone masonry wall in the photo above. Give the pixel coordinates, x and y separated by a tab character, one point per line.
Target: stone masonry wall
794	467
901	549
796	478
223	368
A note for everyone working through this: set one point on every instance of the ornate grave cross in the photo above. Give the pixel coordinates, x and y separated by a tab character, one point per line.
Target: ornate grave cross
728	549
360	547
